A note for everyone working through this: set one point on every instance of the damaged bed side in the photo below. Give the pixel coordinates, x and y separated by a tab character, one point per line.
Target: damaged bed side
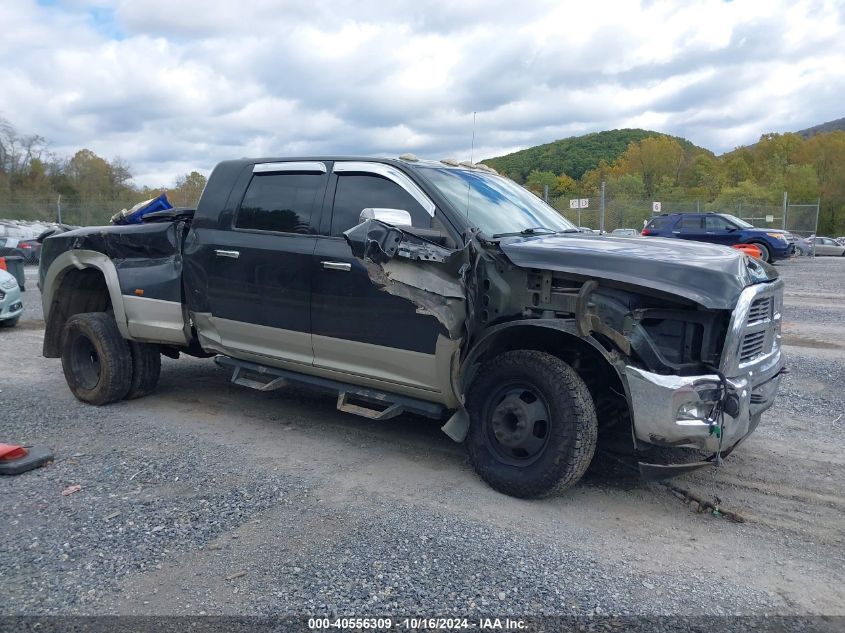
134	271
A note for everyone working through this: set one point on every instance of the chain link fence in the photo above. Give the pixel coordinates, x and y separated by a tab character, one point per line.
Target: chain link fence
622	212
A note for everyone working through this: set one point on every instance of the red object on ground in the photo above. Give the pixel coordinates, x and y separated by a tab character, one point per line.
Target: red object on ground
12	451
749	249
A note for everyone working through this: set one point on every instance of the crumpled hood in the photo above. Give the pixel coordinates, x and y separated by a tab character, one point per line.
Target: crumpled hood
710	275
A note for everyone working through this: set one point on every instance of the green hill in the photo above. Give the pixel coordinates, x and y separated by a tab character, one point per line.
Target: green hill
830	126
572	156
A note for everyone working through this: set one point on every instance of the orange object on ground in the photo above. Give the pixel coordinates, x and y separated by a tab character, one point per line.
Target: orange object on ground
12	451
3	264
749	249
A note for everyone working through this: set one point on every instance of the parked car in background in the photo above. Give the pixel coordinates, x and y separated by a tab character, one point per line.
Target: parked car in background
31	250
11	305
720	228
625	232
793	241
823	246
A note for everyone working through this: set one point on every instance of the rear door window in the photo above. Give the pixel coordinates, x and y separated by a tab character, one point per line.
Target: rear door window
690	222
281	202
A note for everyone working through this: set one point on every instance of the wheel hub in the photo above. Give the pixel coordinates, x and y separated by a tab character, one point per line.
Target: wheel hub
518	424
510	422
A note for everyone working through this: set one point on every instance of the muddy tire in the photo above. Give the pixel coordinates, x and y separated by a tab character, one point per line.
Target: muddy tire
533	424
146	367
96	359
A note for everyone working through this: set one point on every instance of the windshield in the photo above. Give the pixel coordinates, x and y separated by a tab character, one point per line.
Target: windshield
738	221
495	204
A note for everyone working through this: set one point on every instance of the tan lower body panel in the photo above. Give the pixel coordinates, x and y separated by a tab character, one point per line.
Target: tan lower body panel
423	376
154	320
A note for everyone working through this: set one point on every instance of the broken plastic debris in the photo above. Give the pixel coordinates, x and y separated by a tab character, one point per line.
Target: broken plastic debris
71	489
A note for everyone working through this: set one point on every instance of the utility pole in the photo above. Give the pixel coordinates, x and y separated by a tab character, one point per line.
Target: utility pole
816	230
601	214
546	194
59	208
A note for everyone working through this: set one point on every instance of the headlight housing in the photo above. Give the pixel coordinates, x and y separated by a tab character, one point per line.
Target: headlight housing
779	236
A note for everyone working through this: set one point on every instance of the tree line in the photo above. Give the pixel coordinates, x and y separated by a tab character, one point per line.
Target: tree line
35	182
659	167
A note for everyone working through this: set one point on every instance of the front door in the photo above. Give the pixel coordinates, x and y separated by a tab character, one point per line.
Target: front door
357	328
259	271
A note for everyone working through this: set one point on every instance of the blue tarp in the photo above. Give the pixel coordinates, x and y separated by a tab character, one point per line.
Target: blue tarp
136	214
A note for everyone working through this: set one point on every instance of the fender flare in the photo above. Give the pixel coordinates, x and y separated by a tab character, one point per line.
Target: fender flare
80	260
458	425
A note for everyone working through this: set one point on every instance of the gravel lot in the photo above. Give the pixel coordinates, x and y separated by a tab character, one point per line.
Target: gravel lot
207	498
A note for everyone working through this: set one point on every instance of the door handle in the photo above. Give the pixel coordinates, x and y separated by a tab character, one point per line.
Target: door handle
342	266
230	254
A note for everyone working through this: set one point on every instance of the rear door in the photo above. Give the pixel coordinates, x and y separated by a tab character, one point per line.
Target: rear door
357	328
689	227
260	270
720	230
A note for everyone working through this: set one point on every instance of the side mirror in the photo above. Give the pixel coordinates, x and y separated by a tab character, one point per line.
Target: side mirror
393	217
731	229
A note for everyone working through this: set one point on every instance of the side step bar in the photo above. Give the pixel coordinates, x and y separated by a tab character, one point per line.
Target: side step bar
368	403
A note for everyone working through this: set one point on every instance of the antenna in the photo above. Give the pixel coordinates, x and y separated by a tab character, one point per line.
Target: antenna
471	156
472	147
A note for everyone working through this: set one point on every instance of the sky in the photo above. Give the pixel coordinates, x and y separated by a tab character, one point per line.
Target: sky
173	86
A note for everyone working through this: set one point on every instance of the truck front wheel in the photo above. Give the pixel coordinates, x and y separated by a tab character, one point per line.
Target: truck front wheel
533	424
96	359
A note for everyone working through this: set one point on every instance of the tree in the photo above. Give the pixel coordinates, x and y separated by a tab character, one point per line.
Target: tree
565	186
653	159
537	180
188	189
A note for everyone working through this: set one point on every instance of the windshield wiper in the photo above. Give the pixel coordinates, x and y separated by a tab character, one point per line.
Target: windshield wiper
530	231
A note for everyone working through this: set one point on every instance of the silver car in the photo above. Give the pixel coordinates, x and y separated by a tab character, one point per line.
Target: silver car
823	246
11	305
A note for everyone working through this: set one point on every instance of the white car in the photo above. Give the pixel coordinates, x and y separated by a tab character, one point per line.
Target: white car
625	232
11	305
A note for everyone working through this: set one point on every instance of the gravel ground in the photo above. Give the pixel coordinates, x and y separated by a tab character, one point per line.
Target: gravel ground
206	498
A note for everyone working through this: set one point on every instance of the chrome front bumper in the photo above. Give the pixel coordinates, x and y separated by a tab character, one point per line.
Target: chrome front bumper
656	401
675	410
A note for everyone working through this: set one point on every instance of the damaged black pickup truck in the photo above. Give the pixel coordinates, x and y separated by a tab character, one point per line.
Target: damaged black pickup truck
436	288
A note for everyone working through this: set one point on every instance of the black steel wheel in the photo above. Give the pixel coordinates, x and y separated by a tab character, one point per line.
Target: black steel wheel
533	424
518	428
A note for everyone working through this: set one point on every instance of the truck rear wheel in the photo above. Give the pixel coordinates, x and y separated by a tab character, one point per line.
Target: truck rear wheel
146	367
533	425
96	359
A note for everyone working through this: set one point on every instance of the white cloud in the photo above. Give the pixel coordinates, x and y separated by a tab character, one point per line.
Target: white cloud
174	86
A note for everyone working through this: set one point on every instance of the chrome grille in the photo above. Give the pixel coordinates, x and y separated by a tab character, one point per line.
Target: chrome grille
760	310
753	344
754	329
2	295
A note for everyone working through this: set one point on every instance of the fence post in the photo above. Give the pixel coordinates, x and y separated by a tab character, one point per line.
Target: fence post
785	209
816	230
59	208
546	194
601	213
